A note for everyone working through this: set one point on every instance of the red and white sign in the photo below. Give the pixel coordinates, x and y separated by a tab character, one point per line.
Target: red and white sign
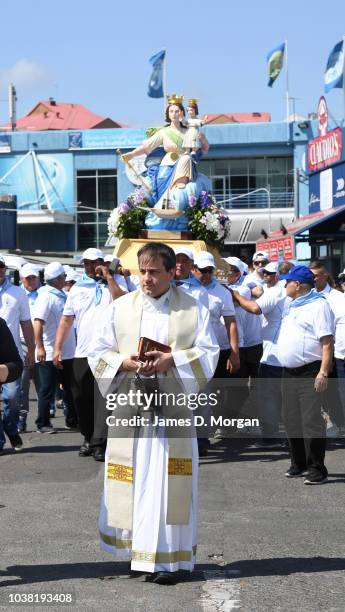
322	115
326	149
278	248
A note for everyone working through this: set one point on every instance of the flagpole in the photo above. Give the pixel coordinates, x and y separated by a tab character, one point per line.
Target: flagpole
164	82
344	74
287	90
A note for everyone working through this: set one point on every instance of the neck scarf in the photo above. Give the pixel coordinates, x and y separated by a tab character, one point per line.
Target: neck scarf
208	287
306	299
87	281
49	289
190	281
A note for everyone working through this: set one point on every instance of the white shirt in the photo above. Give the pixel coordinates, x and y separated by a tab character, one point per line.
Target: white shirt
49	308
14	308
336	300
272	304
240	313
301	331
32	297
199	294
121	281
252	280
220	305
81	304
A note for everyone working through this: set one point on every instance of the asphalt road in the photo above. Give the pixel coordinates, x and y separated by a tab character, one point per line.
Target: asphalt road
265	542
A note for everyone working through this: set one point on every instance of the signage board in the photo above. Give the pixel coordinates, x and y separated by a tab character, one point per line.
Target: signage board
281	248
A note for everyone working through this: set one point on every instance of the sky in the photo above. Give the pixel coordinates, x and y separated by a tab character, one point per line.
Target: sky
97	54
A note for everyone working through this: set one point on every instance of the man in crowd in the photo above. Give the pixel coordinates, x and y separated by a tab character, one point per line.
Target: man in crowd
266	398
148	511
336	300
14	309
305	350
47	314
30	283
10	362
85	306
184	277
255	279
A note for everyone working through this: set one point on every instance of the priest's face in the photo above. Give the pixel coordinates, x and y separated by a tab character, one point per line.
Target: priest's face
154	278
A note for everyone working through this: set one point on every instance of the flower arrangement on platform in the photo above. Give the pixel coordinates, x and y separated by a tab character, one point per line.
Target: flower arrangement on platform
128	218
207	221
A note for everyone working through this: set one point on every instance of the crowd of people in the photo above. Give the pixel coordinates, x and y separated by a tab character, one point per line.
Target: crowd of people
274	335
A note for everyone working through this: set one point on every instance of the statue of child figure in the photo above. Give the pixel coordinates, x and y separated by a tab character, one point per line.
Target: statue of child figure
192	122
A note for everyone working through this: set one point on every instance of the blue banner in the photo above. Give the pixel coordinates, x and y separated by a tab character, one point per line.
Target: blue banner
275	59
335	67
327	188
47	182
156	88
106	139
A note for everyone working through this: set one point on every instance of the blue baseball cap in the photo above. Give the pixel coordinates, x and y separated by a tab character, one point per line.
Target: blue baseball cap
301	274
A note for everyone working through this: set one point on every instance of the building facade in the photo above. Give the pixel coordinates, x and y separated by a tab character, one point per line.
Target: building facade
66	182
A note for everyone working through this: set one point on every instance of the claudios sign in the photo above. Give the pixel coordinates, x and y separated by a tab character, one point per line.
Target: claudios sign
325	150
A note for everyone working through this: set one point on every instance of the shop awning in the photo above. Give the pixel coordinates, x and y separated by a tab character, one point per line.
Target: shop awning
309	221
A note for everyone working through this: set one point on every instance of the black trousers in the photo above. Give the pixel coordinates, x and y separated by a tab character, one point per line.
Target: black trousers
65	378
304	424
84	391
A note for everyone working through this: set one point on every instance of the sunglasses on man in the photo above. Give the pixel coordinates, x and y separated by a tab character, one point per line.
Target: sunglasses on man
206	270
262	262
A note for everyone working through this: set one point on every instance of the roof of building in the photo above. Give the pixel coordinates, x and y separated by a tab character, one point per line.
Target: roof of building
237	118
52	115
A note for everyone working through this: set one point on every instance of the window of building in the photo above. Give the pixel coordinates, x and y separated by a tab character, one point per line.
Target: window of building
96	195
233	179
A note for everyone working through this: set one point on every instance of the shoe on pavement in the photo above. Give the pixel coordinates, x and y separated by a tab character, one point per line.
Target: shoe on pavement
165	578
47	429
316	480
52	413
16	442
72	426
332	431
99	454
22	426
85	450
293	472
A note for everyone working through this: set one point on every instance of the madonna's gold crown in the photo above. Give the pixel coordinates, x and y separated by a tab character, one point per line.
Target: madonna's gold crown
192	102
175	99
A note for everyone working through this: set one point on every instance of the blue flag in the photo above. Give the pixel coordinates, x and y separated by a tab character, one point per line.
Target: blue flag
156	81
335	67
275	60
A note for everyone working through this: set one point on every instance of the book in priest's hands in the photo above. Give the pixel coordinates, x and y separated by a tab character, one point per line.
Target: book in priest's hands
146	344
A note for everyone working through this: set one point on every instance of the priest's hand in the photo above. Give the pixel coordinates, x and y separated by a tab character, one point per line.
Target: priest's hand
131	364
162	362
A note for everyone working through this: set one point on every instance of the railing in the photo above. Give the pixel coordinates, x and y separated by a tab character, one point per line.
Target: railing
238	198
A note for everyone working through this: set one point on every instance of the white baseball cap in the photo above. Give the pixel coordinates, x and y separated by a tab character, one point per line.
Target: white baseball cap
203	259
53	270
2	259
112	259
236	262
185	251
260	255
341	273
271	267
72	275
92	254
28	270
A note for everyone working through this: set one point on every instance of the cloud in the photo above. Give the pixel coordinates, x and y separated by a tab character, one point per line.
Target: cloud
25	74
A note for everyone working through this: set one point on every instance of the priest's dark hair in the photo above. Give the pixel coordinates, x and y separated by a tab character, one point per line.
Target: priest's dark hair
153	250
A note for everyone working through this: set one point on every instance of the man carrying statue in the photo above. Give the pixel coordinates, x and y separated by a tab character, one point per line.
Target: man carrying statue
149	506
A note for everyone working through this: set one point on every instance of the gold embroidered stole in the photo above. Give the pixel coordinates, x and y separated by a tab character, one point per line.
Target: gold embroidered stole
182	326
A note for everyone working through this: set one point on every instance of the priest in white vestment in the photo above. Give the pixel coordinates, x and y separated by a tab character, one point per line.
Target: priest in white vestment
149	506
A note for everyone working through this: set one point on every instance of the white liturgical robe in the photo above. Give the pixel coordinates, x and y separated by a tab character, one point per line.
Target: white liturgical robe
152	543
